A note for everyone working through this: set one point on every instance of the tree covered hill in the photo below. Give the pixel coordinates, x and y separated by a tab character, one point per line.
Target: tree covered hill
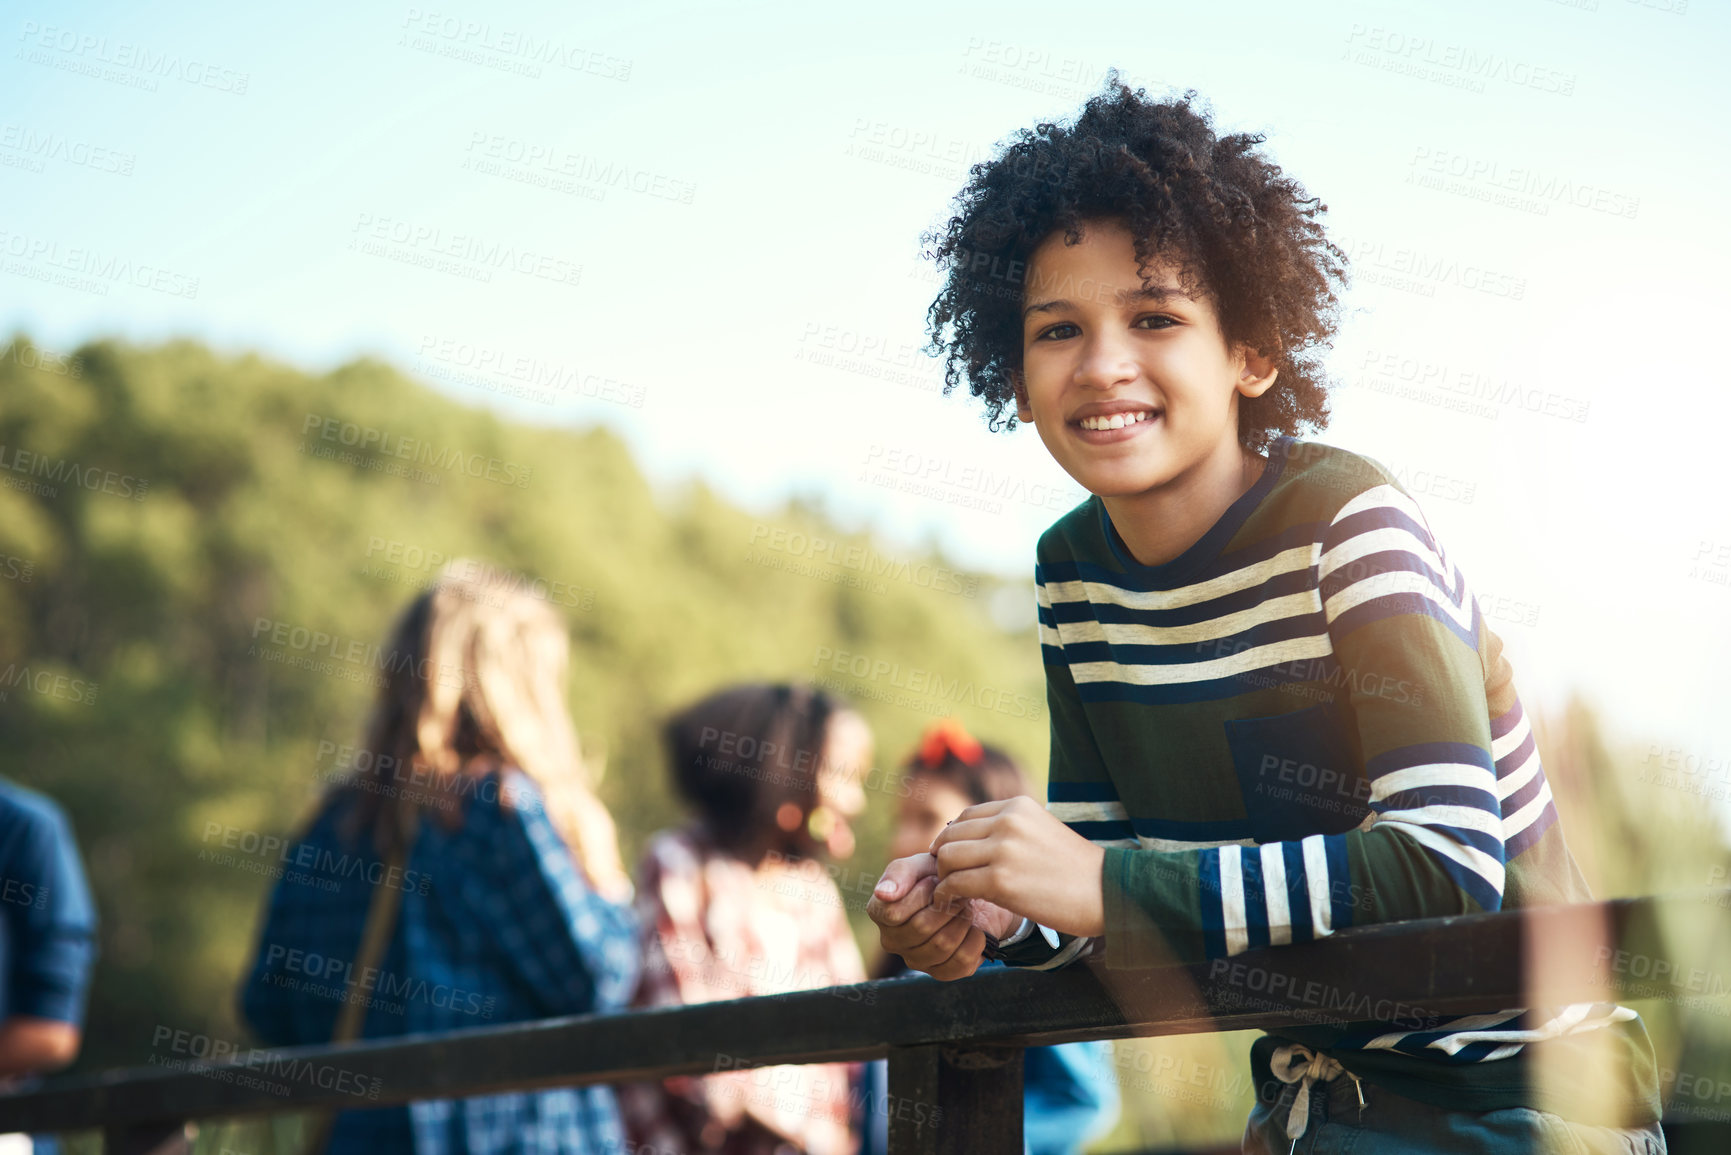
200	557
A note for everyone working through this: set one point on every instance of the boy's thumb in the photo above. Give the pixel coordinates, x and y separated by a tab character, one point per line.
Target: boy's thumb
901	874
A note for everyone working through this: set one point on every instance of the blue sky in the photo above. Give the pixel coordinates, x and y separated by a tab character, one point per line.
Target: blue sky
704	224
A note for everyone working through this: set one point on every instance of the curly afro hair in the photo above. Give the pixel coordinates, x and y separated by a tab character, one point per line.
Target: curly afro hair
1236	229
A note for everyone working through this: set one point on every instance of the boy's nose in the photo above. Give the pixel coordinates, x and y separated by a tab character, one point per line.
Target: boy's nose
1106	363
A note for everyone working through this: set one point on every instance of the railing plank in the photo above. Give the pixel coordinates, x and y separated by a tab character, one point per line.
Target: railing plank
149	1139
951	1100
1436	966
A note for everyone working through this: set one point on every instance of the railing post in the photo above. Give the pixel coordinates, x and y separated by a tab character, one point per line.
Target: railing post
149	1139
955	1100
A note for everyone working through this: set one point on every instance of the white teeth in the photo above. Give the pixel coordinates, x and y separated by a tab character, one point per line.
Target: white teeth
1116	420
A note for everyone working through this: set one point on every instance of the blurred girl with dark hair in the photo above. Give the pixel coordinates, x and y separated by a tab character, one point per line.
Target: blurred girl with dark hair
463	875
735	904
1070	1094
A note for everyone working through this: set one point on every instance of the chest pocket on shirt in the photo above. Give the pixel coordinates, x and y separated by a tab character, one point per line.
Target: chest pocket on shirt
1298	774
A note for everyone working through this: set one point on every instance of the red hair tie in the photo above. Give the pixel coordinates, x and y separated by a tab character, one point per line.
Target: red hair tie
948	737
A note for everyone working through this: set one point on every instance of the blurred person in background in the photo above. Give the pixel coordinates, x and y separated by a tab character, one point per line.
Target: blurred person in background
466	875
47	947
735	903
1070	1093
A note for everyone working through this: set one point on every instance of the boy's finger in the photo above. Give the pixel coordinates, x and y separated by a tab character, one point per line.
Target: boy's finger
964	855
983	809
907	906
964	962
901	874
963	830
965	884
944	940
891	914
919	929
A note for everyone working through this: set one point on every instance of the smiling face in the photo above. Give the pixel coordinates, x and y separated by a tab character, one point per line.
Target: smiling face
1131	386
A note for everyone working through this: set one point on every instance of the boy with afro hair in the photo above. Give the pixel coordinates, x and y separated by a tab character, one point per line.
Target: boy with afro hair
1276	708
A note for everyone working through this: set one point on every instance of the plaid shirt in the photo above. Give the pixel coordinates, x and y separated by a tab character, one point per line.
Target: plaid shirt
496	925
716	929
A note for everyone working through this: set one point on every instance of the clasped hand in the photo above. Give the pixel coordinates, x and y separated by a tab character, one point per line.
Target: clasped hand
994	864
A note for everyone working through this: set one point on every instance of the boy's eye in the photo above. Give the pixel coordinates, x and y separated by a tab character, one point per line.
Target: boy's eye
1066	329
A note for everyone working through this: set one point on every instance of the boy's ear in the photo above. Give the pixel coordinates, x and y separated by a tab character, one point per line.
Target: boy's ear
1258	374
1024	411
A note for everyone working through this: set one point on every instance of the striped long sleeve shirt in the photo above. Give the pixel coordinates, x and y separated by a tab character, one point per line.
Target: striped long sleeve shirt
1299	725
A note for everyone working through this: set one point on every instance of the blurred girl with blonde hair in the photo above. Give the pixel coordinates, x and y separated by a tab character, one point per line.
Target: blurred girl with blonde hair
463	874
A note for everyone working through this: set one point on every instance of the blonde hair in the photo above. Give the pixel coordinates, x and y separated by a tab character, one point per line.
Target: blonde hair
476	682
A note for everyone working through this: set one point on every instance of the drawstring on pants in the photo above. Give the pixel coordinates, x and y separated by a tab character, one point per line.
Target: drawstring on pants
1294	1063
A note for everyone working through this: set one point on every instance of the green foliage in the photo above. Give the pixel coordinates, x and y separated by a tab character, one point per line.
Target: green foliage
180	545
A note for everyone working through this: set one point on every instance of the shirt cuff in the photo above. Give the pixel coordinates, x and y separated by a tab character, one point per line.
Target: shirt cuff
1047	950
49	997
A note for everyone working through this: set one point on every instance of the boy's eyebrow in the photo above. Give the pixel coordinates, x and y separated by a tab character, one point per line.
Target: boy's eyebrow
1159	294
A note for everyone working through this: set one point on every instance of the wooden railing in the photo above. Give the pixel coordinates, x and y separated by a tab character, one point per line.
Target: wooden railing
954	1049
